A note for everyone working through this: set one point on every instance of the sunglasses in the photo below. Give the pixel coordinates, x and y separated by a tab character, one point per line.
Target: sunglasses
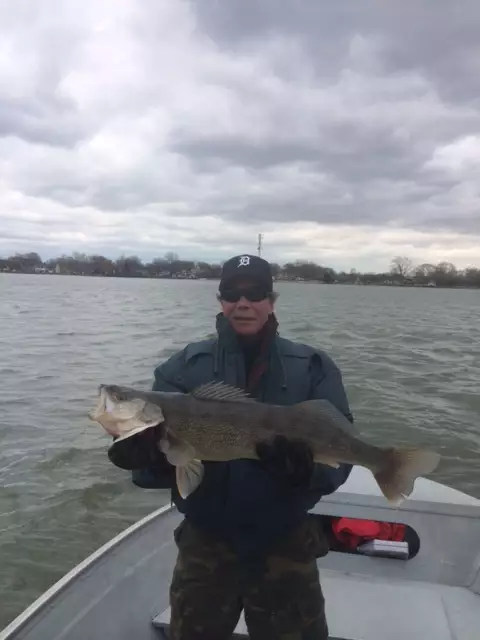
253	294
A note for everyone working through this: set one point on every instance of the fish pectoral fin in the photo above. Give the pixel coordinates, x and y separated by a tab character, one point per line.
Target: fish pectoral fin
323	407
177	452
221	392
188	477
328	461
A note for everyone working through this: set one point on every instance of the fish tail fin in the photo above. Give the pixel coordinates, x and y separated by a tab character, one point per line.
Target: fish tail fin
396	477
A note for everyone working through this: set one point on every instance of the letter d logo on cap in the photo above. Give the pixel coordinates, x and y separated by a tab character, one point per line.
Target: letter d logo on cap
244	261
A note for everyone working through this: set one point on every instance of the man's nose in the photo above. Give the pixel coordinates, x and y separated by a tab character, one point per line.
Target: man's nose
243	302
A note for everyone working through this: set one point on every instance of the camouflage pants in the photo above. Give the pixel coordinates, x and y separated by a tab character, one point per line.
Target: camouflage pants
209	590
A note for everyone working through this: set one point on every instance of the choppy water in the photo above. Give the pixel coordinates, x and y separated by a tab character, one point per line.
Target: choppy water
410	360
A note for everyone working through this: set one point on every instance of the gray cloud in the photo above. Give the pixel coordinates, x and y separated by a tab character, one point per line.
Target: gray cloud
45	121
365	115
40	43
435	37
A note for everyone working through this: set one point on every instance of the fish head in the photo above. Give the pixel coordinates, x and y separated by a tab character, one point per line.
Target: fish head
122	412
116	402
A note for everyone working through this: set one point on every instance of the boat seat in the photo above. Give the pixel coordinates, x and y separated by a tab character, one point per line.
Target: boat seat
162	623
362	607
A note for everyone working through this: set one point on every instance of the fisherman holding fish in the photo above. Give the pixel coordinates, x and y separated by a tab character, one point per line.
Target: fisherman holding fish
249	430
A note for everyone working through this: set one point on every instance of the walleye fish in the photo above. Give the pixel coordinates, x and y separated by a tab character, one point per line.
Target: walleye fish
217	422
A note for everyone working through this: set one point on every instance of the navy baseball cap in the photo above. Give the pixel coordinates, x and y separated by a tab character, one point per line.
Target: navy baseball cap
246	265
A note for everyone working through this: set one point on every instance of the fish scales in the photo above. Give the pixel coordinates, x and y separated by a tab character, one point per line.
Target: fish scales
218	430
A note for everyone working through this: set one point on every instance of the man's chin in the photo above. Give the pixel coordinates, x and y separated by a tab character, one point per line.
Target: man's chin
246	327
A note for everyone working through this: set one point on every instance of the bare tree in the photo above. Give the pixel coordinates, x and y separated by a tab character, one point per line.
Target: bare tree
425	272
402	266
171	256
446	274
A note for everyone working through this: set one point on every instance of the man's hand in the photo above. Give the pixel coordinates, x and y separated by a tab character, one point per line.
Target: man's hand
290	460
138	451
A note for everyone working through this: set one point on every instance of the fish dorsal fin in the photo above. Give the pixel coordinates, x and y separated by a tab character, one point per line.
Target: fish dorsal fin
221	392
324	408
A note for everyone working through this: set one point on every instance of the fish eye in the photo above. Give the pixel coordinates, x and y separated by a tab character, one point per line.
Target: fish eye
117	394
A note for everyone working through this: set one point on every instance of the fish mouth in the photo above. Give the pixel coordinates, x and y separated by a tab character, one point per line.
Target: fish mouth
101	406
108	396
115	403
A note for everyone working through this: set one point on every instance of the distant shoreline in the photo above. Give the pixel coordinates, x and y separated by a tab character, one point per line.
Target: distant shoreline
403	272
394	285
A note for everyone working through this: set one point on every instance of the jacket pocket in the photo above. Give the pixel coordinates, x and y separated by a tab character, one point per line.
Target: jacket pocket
306	543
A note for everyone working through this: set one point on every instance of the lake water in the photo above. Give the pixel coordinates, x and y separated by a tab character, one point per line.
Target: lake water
410	360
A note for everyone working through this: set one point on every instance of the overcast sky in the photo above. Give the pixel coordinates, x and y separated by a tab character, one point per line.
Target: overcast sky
345	132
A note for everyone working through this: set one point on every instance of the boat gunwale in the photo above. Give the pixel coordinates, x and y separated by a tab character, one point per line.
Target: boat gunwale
431	507
57	587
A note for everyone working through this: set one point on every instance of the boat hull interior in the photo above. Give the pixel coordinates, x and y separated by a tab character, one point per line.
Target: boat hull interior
122	591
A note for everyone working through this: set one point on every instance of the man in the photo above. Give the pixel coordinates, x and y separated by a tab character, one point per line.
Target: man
247	541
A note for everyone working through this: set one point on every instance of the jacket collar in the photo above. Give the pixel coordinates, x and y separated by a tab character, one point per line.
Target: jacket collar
268	348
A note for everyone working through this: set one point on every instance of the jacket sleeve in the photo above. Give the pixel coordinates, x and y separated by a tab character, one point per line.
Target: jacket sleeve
327	384
140	454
